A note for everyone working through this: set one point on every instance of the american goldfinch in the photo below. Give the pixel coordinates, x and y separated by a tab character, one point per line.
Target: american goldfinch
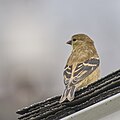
82	66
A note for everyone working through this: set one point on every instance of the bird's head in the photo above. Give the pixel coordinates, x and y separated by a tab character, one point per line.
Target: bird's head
79	39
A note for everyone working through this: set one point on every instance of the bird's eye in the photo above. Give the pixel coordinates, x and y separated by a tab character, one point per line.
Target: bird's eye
74	39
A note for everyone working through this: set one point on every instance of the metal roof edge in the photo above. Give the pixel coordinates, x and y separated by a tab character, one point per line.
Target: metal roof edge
98	110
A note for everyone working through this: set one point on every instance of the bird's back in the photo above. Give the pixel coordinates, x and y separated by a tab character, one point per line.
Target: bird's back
82	53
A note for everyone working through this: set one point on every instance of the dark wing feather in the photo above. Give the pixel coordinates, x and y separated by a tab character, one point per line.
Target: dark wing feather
84	69
81	71
67	74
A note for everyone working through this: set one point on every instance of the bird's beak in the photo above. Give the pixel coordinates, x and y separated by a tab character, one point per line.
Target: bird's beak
69	42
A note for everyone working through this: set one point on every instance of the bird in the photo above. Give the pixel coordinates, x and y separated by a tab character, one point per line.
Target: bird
82	67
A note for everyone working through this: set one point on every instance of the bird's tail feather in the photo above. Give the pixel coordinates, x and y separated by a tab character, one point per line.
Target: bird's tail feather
64	95
71	93
68	93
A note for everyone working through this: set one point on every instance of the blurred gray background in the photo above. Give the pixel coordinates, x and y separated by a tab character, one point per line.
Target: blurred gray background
33	52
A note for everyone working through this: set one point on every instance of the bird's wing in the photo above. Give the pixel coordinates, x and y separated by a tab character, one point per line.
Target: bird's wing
67	74
81	71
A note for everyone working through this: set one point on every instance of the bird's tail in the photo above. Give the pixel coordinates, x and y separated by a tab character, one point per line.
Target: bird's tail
68	94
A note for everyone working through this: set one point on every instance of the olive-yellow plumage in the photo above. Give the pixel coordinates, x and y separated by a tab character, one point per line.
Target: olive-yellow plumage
82	66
